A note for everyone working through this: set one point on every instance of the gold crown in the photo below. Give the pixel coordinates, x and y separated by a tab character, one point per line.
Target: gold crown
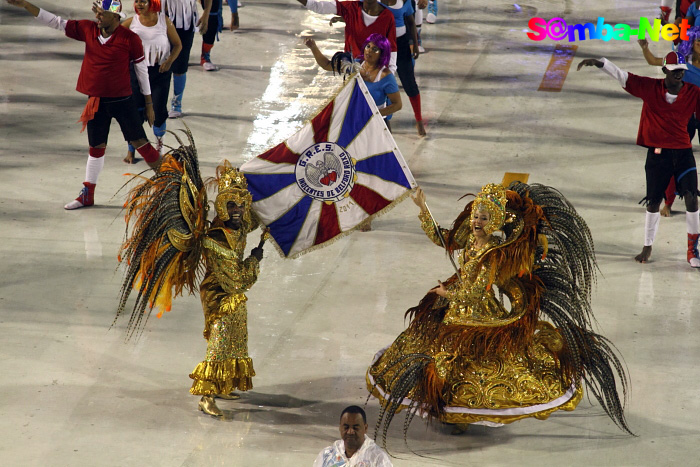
492	198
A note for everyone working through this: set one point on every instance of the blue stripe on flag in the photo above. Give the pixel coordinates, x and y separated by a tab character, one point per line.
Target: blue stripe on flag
285	230
357	115
263	186
384	166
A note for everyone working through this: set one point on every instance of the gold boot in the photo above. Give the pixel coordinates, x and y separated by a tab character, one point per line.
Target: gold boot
229	397
208	406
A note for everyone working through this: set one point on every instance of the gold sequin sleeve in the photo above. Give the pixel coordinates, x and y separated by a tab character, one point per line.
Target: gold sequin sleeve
472	289
428	226
232	274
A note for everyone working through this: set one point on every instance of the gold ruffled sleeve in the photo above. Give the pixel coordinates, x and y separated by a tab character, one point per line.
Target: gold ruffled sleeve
428	226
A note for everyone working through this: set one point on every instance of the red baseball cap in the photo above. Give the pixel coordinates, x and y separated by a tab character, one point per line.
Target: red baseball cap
674	61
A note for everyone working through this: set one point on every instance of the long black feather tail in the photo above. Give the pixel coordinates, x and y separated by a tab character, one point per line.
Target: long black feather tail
567	267
408	374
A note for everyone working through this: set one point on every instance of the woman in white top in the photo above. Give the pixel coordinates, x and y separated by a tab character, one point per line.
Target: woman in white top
161	46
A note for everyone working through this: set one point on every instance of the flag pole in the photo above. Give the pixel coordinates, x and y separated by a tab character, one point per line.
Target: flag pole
444	243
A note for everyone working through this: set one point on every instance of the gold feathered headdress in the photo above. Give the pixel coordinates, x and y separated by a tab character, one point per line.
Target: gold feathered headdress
233	186
492	199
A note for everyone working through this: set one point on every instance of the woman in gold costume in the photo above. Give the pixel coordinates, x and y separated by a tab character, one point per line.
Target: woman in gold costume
477	349
171	246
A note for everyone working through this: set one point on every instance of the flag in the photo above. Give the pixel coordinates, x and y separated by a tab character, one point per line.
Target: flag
340	169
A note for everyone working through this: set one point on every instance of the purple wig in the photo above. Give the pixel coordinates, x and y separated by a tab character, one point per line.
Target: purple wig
686	47
384	48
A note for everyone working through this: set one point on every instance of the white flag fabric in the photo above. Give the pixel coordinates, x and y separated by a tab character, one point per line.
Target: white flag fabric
340	169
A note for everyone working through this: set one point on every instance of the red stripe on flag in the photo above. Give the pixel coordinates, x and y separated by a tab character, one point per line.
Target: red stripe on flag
368	199
280	154
321	123
328	225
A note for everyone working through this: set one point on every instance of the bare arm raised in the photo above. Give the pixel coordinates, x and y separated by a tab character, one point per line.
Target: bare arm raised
648	56
321	59
30	7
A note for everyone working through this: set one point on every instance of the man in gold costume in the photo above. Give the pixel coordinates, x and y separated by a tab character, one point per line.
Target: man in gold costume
228	276
171	245
471	356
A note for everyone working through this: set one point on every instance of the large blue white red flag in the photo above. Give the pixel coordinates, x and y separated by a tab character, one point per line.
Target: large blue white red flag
341	169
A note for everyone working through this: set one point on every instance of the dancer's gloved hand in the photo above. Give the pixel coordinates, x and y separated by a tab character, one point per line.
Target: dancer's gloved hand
257	252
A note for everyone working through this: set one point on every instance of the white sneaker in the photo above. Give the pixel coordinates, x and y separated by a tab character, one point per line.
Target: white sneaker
209	66
75	204
240	3
694	262
421	49
431	18
85	197
175	107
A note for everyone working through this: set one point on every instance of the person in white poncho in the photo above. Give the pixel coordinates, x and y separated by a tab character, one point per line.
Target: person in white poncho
355	449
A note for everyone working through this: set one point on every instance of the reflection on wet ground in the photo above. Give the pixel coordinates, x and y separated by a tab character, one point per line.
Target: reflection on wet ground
297	87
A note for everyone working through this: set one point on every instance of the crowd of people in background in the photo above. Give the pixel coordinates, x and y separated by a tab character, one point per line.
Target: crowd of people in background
132	85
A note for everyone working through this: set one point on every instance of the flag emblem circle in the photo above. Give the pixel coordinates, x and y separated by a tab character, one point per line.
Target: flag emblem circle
325	171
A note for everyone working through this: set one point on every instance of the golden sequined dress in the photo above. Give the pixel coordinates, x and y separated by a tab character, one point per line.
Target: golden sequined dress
511	382
228	276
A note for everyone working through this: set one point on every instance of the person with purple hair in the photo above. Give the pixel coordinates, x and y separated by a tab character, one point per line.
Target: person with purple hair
362	18
380	81
689	49
374	62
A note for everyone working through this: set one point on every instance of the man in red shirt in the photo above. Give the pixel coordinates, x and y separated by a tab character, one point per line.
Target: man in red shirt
668	105
361	19
104	77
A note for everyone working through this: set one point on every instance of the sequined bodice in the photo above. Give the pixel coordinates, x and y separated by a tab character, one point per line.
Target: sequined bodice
225	264
471	299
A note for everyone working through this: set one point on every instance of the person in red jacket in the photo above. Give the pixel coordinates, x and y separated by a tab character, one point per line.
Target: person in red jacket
361	19
668	104
104	77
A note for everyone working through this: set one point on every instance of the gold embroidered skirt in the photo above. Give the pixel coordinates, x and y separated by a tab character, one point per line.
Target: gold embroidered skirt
227	366
495	390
